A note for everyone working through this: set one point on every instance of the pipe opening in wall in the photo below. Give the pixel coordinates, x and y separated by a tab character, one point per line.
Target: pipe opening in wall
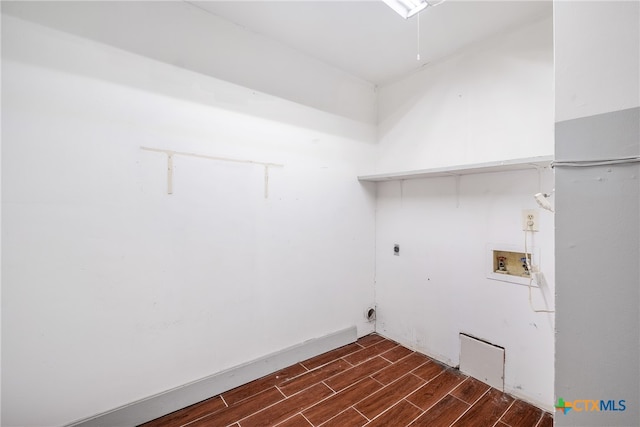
371	314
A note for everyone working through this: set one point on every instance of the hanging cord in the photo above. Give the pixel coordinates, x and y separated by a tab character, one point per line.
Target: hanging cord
418	54
431	3
531	272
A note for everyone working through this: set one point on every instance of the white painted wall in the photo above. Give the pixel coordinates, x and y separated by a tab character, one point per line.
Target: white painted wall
438	288
184	35
101	266
113	290
597	114
493	101
597	57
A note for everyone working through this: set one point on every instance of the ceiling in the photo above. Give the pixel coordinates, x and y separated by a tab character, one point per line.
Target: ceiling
326	54
368	39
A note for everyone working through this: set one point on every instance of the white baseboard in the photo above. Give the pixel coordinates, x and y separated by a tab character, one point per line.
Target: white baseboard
169	401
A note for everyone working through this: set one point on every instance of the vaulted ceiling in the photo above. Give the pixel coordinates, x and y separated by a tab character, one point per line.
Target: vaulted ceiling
327	54
371	41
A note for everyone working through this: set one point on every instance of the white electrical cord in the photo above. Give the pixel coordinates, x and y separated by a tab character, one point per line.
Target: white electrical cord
602	162
530	284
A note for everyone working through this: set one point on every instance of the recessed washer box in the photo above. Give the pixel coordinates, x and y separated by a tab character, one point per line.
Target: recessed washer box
506	263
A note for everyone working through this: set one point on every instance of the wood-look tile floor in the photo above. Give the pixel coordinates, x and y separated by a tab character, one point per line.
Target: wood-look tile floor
372	382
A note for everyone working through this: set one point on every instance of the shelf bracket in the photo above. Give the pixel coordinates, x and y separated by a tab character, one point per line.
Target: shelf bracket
170	155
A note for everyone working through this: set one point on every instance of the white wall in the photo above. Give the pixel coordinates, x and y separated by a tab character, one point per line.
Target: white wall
114	290
438	288
493	102
182	34
101	266
598	209
597	57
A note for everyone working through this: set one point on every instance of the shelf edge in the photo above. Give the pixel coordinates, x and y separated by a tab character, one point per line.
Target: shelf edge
474	168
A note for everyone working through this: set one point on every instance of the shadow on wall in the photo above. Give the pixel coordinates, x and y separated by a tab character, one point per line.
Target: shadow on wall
96	61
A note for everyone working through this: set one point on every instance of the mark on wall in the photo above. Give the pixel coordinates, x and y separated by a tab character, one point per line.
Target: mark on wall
170	154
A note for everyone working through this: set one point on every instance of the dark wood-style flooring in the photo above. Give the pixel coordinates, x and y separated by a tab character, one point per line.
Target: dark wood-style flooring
373	382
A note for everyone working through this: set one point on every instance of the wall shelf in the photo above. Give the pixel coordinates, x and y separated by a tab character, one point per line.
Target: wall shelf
499	166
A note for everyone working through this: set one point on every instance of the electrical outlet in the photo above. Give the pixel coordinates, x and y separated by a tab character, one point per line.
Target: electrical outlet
530	220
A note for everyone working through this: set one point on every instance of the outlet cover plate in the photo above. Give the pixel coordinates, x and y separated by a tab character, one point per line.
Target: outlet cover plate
533	216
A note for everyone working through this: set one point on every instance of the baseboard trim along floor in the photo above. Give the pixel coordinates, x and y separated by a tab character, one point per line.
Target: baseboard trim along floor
171	400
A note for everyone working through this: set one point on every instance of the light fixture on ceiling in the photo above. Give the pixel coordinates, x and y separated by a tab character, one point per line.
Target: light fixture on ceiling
408	8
